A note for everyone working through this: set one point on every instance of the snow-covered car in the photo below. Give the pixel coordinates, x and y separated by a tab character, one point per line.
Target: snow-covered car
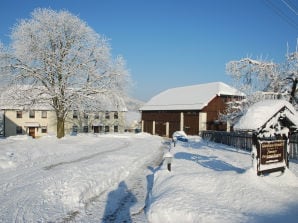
180	136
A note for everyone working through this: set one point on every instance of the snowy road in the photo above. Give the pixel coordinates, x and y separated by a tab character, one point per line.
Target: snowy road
77	179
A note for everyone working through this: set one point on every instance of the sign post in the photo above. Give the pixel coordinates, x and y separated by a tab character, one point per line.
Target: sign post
271	156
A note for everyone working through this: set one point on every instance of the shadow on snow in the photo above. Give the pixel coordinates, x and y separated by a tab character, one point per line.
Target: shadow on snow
211	162
118	205
122	199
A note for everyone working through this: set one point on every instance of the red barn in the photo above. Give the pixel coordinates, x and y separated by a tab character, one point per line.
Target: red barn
192	109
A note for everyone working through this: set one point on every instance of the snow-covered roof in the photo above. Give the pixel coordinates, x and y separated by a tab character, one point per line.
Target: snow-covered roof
23	96
261	112
194	97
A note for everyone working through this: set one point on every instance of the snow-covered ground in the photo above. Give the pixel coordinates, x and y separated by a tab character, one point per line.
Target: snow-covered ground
215	183
84	178
117	178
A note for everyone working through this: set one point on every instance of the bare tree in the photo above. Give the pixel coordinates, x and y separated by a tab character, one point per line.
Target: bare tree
64	61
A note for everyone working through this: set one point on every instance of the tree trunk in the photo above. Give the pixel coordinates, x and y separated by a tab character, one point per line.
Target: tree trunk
293	91
60	127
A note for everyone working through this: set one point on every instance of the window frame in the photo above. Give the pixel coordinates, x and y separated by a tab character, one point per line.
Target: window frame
31	114
107	115
85	128
75	114
44	114
75	129
19	114
19	130
44	129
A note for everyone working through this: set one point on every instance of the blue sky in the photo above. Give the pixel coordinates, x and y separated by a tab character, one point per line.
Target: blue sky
171	43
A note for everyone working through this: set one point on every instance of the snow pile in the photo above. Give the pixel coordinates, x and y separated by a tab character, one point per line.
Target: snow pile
213	184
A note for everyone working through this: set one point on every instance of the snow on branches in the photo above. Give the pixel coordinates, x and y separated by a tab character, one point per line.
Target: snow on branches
252	75
260	80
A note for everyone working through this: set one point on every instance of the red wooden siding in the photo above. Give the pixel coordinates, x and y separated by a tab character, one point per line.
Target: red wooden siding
216	106
191	122
191	118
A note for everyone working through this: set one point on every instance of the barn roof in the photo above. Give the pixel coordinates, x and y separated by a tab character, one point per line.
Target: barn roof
194	97
261	112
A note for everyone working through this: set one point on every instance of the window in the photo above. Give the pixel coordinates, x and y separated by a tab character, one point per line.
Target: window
75	114
116	128
19	114
85	128
44	114
107	128
44	129
75	128
31	114
96	116
115	115
19	130
85	116
107	115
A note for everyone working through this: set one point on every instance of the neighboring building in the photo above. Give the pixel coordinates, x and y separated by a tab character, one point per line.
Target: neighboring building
191	108
40	119
41	122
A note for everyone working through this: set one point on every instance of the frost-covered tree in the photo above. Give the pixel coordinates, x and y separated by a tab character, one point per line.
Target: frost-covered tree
261	79
64	62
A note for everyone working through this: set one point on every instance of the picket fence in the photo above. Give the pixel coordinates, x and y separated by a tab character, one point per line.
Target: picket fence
243	140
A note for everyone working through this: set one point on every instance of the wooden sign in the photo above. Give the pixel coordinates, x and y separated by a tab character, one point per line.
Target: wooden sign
272	151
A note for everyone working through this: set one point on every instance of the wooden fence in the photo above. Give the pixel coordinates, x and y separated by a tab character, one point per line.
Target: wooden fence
294	146
243	140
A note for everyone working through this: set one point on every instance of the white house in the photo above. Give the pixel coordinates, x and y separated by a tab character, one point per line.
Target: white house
40	120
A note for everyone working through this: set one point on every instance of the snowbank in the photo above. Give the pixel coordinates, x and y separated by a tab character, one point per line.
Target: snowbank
217	184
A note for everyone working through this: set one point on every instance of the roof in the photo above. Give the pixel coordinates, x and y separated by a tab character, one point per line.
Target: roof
261	112
194	97
22	97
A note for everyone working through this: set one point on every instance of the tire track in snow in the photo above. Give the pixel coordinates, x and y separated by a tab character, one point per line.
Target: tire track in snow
23	198
21	203
94	155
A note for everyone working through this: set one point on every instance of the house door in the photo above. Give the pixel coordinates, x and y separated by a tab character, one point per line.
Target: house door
32	132
96	129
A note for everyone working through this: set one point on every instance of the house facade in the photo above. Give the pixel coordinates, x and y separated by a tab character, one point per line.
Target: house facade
42	122
23	115
191	109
